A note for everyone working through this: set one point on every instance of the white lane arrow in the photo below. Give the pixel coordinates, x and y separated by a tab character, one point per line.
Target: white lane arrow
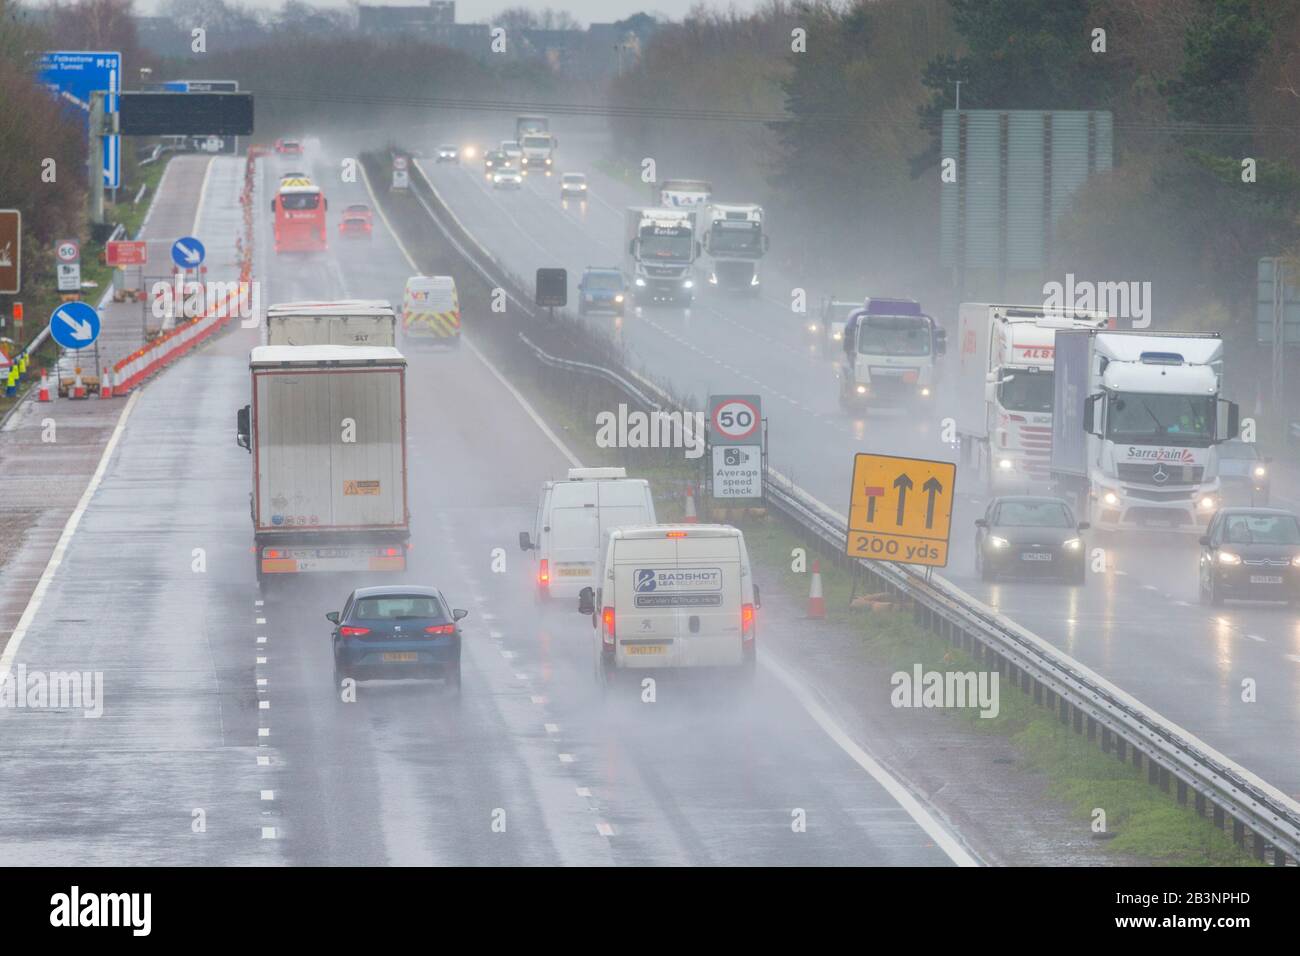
191	255
81	331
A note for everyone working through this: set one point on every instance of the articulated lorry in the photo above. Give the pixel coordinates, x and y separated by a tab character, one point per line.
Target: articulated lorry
350	322
659	254
891	351
732	237
327	433
1003	391
1136	418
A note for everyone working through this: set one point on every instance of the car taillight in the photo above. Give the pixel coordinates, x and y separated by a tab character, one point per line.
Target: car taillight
544	572
440	629
747	622
391	552
271	553
348	630
607	619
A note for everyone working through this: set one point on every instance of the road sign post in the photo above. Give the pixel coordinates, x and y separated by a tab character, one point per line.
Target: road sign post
67	253
900	509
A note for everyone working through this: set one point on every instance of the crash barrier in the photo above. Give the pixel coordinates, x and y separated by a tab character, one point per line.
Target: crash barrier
1176	761
166	348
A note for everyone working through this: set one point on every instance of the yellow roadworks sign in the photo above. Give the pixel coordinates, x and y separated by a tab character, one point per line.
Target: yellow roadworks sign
900	509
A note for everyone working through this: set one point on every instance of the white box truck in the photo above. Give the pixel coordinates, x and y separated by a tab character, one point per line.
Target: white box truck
659	253
348	322
327	432
676	597
1003	391
1136	418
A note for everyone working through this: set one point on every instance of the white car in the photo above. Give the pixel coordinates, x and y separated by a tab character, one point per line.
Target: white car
507	177
448	154
573	184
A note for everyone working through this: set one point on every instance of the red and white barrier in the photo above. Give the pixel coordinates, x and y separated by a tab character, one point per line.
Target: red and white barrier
159	353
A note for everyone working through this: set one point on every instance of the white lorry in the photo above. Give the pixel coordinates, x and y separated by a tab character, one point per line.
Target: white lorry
659	254
1003	396
683	193
732	237
1136	418
348	322
327	433
539	151
891	350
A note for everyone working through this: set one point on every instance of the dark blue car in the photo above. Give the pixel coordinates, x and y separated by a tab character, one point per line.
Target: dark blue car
397	632
601	290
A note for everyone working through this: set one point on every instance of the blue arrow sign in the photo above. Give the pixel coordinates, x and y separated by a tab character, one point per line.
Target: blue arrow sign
74	325
72	75
188	252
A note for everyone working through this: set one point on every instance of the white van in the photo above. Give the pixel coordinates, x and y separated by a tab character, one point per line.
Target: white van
431	311
674	596
573	518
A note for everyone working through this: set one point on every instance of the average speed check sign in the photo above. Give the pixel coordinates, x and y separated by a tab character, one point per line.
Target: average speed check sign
900	509
735	419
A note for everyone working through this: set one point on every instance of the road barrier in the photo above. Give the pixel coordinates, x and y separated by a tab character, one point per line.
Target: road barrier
1122	725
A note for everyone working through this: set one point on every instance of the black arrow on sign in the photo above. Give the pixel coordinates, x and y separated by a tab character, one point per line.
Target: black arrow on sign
932	487
902	483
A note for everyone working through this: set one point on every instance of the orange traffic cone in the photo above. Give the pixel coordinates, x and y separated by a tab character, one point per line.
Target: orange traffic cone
816	603
691	516
78	386
44	394
106	383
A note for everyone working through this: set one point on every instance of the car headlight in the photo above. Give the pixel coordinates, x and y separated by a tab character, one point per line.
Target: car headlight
1227	557
1295	562
469	152
753	280
998	542
812	326
1207	503
640	281
925	393
838	336
582	186
619	297
1260	471
713	279
548	161
1072	544
688	284
1110	498
1005	464
862	389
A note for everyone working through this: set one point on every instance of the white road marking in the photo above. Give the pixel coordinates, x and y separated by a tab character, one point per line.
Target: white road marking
263	731
264	761
263	705
604	829
268	794
537	699
203	193
566	758
261	640
552	728
584	792
1256	637
261	660
268	833
65	539
260	620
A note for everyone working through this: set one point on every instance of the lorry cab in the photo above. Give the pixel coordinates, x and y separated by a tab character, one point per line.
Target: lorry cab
573	517
673	597
431	311
890	348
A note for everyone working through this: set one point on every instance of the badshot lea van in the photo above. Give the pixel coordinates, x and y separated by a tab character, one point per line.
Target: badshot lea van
573	517
674	597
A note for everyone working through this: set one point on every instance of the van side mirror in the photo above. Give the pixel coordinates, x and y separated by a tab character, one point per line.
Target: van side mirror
1204	540
525	542
1084	525
272	205
940	341
459	614
586	601
981	523
242	427
631	247
332	617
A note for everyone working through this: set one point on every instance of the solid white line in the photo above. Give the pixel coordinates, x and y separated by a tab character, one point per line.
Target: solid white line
203	194
942	838
65	539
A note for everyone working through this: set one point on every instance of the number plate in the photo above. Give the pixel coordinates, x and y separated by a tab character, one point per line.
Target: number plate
645	649
1266	579
402	658
1036	556
573	572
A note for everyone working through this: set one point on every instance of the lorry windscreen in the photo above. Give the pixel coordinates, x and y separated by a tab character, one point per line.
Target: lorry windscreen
893	335
299	200
1025	391
735	238
1160	419
665	247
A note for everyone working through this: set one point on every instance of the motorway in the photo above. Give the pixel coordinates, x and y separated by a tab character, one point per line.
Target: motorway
223	740
1137	623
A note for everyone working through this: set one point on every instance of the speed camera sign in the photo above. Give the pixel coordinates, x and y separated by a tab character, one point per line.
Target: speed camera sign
735	419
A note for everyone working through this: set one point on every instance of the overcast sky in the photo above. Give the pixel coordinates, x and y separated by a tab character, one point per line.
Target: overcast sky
474	11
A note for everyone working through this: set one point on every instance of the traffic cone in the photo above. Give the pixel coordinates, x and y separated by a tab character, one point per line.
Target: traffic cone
816	603
44	394
106	383
78	386
691	517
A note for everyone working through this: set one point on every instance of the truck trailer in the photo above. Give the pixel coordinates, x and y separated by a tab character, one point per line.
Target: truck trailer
349	322
327	431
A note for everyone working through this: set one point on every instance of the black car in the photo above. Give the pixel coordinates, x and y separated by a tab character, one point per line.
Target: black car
1243	473
494	159
1250	553
1030	536
396	632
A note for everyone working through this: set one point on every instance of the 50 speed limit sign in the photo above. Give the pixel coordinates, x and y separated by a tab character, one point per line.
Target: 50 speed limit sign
735	419
67	250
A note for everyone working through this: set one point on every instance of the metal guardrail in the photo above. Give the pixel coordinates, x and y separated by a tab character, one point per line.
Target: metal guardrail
1091	703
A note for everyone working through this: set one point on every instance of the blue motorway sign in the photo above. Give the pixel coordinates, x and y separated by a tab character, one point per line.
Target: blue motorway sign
188	252
72	75
75	325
